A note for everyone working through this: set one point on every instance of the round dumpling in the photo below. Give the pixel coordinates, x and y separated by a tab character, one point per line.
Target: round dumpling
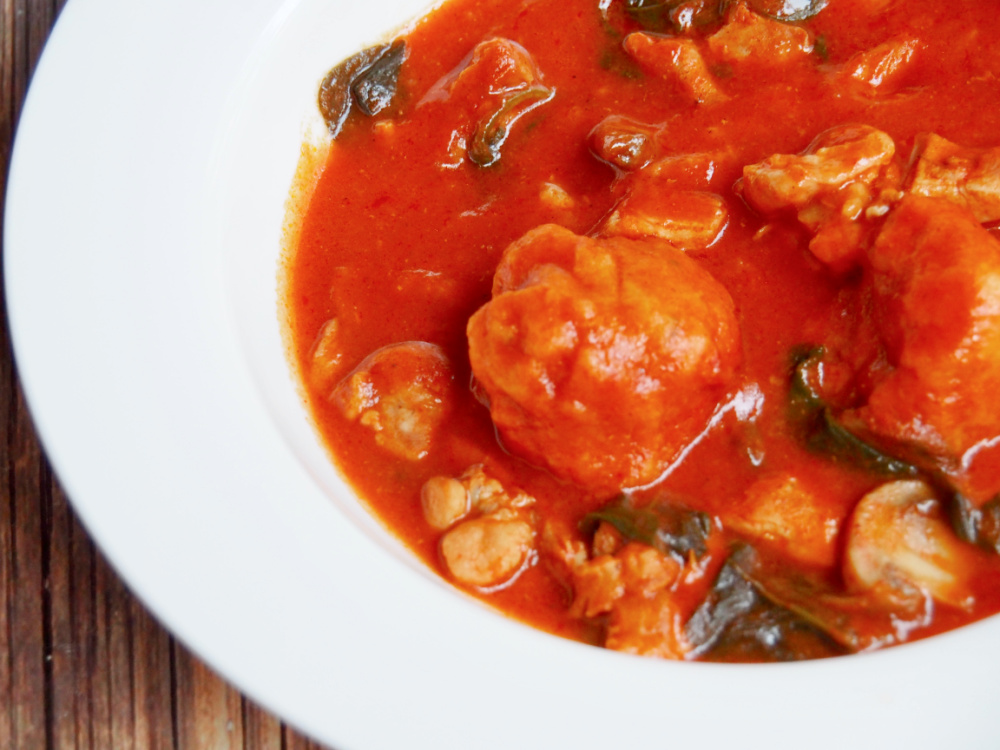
602	358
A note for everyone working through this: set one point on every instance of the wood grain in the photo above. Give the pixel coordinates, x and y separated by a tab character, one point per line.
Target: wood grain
83	666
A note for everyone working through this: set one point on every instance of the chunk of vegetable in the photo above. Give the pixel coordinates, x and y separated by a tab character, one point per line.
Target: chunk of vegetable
664	525
497	86
784	511
822	432
368	79
375	88
737	621
856	622
690	220
491	133
881	70
898	540
623	143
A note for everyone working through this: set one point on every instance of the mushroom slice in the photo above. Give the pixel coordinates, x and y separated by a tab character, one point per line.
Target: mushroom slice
899	542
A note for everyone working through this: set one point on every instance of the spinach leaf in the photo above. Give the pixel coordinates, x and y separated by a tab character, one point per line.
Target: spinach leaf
977	525
738	622
375	88
821	431
368	79
491	133
664	16
854	622
669	527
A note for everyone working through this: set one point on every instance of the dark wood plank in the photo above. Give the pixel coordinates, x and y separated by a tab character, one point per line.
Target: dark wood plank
209	712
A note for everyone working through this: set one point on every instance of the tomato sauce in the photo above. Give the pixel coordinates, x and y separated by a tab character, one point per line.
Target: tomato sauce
403	235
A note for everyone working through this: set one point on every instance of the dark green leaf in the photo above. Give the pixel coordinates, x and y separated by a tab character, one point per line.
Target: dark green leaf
855	621
367	78
977	525
820	48
820	430
375	88
667	526
737	622
491	133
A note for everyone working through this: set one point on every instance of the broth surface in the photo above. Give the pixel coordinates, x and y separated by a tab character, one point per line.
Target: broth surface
405	232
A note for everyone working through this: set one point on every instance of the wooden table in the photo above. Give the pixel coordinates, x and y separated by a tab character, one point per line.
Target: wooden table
82	664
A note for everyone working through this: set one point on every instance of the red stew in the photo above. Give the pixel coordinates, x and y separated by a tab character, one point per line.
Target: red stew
672	327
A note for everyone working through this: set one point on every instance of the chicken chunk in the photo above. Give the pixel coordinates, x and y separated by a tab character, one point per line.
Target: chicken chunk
630	585
787	513
845	175
881	70
647	626
749	36
602	358
402	393
689	219
487	552
678	60
969	177
490	530
669	199
936	281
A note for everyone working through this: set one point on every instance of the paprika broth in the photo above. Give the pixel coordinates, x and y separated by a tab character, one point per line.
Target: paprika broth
670	327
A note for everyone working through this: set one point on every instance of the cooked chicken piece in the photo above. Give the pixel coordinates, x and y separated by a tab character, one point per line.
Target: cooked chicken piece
623	143
838	157
752	37
490	531
602	358
881	70
785	512
446	500
607	539
690	220
487	551
846	174
647	626
402	393
936	282
597	585
670	199
631	583
675	59
969	177
899	543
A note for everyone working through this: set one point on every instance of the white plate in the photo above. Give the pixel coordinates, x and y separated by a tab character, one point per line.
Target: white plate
145	206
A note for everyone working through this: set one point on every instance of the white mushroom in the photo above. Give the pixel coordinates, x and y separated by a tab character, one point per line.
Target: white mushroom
898	541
